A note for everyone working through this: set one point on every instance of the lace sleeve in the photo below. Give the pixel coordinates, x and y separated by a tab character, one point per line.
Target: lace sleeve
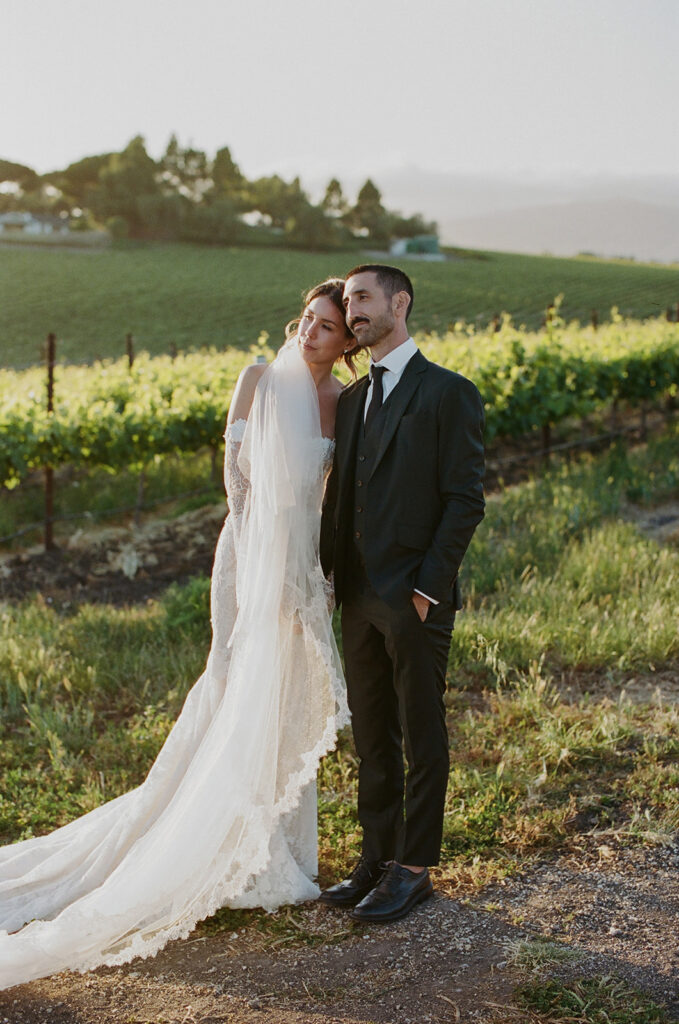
235	482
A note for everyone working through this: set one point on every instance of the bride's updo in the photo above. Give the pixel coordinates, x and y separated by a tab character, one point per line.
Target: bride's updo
333	289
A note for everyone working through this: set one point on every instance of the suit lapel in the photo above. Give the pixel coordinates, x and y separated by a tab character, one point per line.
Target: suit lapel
350	419
397	403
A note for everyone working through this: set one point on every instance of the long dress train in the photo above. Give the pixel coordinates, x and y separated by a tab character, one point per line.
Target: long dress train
227	814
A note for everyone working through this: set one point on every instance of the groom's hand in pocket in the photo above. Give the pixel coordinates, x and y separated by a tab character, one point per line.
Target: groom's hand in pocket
421	605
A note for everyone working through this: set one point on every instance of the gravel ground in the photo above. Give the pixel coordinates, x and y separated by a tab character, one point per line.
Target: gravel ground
616	910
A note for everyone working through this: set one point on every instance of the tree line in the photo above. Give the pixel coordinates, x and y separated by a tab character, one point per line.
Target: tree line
188	196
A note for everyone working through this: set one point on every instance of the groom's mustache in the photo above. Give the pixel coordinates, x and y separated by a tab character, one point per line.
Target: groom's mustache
358	320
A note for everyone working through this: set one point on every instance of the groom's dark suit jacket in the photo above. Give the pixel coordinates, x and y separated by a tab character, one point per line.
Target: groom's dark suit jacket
423	493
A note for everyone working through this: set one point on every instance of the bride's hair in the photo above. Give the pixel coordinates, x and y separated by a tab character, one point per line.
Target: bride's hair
333	289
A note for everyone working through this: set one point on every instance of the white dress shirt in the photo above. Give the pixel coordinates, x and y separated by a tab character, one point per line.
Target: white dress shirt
394	364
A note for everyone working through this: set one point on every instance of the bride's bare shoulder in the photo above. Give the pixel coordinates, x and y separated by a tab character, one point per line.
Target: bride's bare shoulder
244	392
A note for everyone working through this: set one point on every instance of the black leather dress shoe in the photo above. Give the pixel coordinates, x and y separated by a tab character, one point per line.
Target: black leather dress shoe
360	882
398	891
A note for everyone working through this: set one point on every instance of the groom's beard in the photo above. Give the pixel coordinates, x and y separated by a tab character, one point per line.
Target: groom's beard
377	329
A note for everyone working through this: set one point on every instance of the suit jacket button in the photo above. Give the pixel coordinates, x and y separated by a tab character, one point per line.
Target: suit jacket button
359	483
359	509
361	458
357	535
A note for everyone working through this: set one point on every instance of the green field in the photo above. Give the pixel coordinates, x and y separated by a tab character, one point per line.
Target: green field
195	296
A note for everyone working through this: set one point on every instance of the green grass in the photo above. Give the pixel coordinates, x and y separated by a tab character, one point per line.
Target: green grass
196	296
87	695
603	1000
536	954
559	588
93	496
597	607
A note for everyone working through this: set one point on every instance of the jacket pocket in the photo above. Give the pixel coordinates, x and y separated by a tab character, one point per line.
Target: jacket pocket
412	535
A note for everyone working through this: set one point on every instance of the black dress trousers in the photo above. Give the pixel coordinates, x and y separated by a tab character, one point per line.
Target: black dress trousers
396	677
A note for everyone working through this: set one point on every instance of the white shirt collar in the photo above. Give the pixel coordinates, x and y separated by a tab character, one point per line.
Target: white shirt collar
396	360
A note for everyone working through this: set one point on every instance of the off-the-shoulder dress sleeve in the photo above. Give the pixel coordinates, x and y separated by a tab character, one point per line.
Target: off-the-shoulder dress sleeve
235	482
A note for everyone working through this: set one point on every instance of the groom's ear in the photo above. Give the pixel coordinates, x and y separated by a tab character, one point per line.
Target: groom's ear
400	302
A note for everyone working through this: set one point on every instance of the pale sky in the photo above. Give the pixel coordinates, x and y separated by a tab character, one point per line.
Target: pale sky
500	87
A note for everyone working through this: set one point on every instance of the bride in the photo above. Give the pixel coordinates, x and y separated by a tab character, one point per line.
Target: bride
227	814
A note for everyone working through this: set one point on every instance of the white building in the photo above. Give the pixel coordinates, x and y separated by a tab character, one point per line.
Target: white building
421	247
33	223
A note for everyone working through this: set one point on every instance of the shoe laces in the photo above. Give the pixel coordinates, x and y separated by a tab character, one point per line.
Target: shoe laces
365	870
390	879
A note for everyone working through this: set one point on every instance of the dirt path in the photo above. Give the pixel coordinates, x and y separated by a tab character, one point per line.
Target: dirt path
614	912
116	565
128	564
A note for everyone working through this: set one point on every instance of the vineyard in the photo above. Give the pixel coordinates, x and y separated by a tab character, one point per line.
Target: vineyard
114	415
562	807
194	296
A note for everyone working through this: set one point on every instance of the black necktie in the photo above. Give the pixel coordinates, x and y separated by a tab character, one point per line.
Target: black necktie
376	374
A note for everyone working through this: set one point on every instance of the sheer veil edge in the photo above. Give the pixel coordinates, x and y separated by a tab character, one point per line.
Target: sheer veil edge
214	822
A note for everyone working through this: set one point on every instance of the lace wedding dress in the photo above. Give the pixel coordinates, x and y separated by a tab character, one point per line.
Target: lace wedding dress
227	814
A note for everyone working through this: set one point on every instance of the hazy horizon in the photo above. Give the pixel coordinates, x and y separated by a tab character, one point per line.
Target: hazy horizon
457	110
532	88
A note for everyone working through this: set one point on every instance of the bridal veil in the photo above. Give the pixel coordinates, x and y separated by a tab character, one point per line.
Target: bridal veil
214	823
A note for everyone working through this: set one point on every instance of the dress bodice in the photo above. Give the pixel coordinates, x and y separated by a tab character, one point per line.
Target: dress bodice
235	482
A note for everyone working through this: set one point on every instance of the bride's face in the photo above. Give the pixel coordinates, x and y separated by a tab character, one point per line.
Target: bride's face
322	333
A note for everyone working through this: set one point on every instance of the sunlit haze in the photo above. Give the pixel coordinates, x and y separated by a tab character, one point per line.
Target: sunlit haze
472	112
532	87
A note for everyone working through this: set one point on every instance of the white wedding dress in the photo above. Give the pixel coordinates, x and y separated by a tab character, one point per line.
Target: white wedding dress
227	814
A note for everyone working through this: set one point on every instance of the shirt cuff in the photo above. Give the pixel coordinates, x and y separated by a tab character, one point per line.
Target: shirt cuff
422	594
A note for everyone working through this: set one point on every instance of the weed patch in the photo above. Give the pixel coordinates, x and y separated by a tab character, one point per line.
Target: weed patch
590	1001
536	954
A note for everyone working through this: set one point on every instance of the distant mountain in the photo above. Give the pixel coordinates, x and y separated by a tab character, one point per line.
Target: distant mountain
614	227
609	216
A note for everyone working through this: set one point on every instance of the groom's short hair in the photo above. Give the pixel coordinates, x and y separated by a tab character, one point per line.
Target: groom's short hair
390	279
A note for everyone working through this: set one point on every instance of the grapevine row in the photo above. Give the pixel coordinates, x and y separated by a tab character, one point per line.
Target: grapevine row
113	415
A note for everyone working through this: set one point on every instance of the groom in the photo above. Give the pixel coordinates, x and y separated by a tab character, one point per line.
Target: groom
403	501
